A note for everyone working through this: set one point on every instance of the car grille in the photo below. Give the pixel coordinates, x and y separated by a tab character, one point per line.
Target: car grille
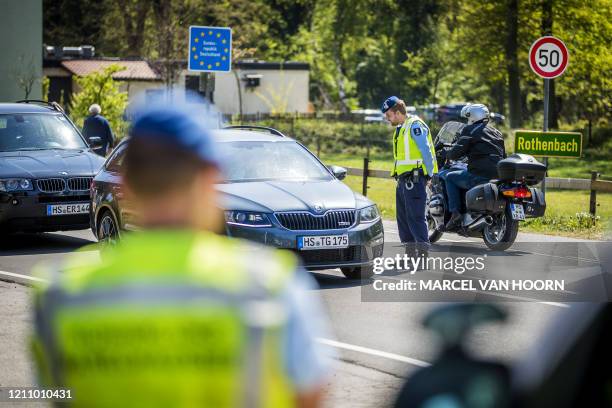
307	221
58	185
330	256
51	185
79	183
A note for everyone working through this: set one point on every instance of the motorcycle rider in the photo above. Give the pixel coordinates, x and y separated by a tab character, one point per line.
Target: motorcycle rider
484	147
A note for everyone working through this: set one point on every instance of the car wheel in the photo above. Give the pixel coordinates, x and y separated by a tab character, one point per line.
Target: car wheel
360	272
108	232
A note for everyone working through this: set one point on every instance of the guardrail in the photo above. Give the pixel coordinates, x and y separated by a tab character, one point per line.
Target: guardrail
593	184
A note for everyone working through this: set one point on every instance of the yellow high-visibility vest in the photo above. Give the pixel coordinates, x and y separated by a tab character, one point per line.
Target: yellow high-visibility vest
167	318
405	150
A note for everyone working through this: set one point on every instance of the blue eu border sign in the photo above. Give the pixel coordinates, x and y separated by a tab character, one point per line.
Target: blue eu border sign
210	49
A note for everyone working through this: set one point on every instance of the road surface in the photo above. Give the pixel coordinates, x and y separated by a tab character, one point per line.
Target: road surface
379	343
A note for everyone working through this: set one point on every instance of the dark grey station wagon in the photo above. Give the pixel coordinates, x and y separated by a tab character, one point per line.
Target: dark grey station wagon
276	192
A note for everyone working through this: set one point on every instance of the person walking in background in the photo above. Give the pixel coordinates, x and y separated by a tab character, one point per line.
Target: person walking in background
175	315
96	125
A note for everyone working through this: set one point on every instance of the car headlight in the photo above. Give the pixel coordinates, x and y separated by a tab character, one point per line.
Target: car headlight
247	219
9	185
369	214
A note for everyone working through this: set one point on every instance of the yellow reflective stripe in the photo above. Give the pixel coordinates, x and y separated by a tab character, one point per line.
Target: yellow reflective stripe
406	140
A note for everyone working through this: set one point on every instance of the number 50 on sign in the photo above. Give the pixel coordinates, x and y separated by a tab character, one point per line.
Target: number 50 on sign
548	57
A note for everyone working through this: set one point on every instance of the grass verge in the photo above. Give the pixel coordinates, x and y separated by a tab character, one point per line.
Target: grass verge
566	211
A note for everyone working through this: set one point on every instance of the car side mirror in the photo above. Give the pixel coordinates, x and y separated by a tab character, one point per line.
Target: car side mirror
95	142
339	172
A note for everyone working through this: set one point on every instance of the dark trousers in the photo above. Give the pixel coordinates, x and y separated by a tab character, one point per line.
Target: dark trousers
457	181
410	209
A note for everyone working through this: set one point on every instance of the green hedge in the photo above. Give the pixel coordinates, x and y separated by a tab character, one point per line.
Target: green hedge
325	136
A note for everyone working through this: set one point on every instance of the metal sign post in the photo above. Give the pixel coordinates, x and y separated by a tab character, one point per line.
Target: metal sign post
545	127
548	58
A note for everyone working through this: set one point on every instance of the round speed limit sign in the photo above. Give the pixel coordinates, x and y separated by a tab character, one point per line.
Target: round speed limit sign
548	57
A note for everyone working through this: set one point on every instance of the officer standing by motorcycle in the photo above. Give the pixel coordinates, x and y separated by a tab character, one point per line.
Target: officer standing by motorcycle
484	147
176	315
415	164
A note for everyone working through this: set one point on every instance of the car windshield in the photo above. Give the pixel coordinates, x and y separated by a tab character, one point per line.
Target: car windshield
37	131
263	161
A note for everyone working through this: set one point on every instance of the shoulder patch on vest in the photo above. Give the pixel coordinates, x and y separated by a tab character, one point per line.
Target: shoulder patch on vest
418	129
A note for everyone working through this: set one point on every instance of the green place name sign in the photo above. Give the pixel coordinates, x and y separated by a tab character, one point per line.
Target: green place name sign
551	144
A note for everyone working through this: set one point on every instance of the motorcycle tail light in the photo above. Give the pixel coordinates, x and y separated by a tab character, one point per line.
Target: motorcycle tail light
518	192
522	192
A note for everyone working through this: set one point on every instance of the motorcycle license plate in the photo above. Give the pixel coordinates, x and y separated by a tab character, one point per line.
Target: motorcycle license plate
323	242
517	211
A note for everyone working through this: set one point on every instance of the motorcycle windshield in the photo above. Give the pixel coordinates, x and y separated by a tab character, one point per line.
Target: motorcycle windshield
449	132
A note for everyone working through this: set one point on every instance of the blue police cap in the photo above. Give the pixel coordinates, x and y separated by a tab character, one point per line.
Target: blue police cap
389	103
175	126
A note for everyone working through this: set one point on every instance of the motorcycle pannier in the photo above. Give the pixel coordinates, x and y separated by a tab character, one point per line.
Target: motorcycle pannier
521	167
485	198
537	206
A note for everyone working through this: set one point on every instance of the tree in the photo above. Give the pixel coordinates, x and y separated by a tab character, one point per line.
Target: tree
512	64
586	86
131	24
25	75
360	52
99	87
479	61
547	29
74	22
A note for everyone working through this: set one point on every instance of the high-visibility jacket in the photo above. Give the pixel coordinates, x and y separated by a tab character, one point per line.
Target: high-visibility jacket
167	319
406	152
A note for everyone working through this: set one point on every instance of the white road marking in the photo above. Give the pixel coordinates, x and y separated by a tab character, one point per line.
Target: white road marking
396	232
328	342
374	352
20	276
573	258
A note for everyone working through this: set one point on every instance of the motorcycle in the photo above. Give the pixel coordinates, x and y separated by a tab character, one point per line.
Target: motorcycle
491	210
561	371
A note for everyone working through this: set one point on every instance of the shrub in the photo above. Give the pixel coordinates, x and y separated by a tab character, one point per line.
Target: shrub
100	87
580	222
330	136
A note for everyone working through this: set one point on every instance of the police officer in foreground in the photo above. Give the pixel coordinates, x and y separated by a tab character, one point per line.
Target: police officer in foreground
484	147
175	315
415	163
